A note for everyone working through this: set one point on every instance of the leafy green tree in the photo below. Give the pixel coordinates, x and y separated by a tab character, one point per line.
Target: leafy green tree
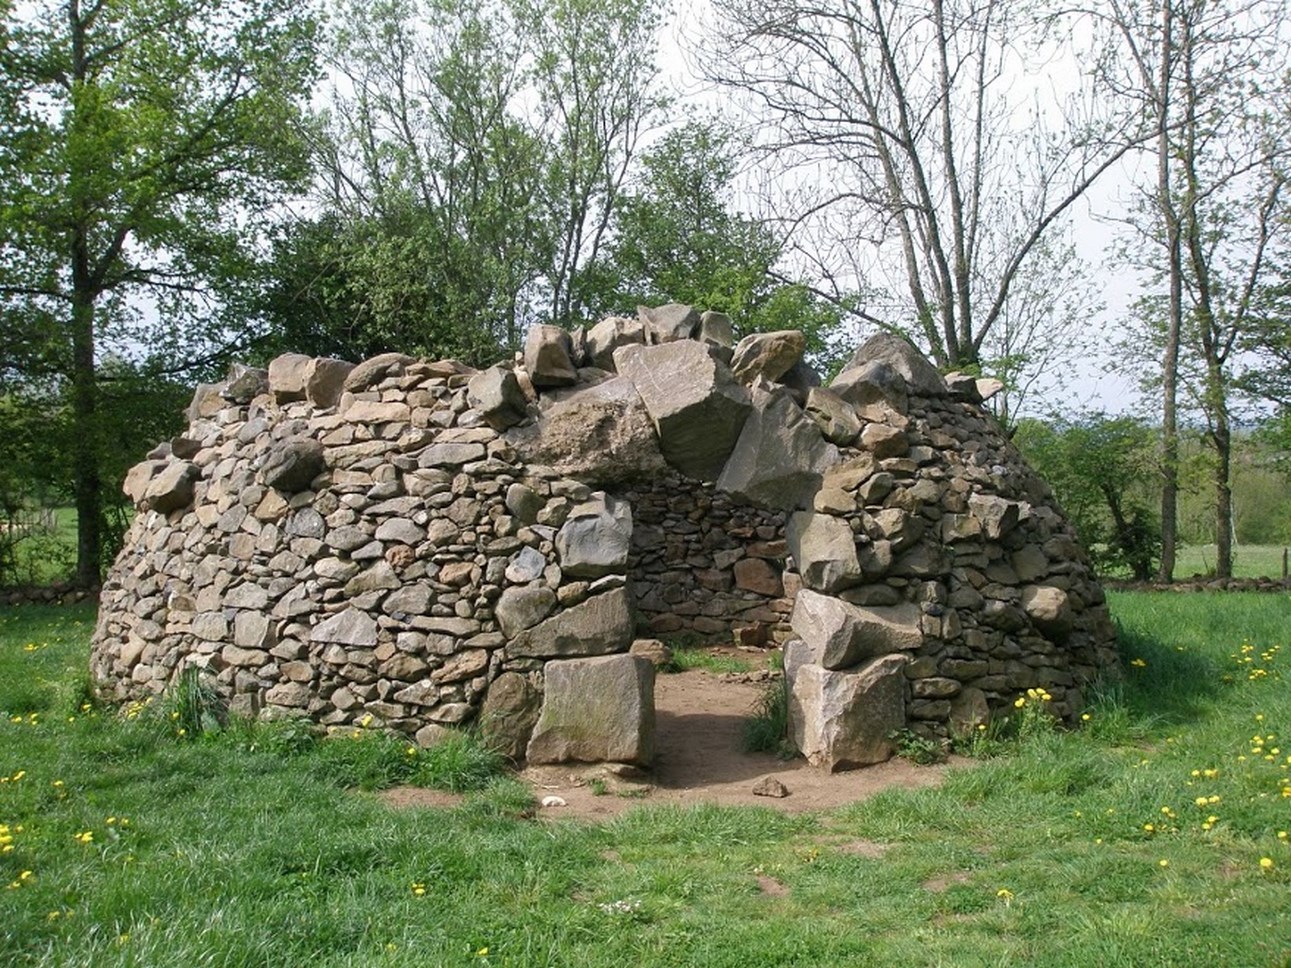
1101	469
474	156
594	75
146	143
1210	74
678	238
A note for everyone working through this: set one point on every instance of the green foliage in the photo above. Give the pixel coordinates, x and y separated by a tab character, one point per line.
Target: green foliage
472	162
1101	469
918	749
367	759
193	706
146	144
352	288
678	239
686	657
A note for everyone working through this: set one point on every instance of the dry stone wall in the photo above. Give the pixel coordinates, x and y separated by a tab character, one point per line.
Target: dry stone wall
703	565
418	545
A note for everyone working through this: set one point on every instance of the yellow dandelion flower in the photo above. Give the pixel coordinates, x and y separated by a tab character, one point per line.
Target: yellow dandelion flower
1163	863
483	952
1019	703
1266	863
1138	663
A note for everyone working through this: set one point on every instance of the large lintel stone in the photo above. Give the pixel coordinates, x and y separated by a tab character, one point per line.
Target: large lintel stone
696	406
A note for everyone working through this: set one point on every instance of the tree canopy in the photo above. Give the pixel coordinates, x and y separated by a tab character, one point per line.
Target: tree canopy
146	143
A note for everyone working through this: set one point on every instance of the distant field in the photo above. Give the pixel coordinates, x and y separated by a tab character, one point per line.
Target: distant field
44	558
1249	561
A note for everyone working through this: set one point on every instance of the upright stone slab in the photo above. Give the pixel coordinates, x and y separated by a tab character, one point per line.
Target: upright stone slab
509	714
496	393
596	710
547	357
697	408
665	324
325	381
287	376
842	720
715	329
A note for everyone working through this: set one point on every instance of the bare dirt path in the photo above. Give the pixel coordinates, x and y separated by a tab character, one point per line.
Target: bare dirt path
699	759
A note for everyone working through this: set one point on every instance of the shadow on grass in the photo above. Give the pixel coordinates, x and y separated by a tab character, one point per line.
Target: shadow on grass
1163	684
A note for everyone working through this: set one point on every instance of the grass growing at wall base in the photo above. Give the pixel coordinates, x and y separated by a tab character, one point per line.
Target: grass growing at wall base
145	848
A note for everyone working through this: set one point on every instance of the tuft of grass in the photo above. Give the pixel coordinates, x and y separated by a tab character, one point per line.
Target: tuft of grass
696	657
918	749
370	760
459	763
193	706
767	730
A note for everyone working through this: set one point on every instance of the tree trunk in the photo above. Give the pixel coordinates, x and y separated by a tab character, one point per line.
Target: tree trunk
1222	438
87	485
86	482
1174	321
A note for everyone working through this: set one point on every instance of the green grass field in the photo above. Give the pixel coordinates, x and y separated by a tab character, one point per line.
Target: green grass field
1249	561
1155	835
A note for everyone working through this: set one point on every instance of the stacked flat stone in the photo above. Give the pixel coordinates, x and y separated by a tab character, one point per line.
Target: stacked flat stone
418	545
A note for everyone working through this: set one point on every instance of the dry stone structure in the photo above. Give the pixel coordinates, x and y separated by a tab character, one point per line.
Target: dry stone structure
419	545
